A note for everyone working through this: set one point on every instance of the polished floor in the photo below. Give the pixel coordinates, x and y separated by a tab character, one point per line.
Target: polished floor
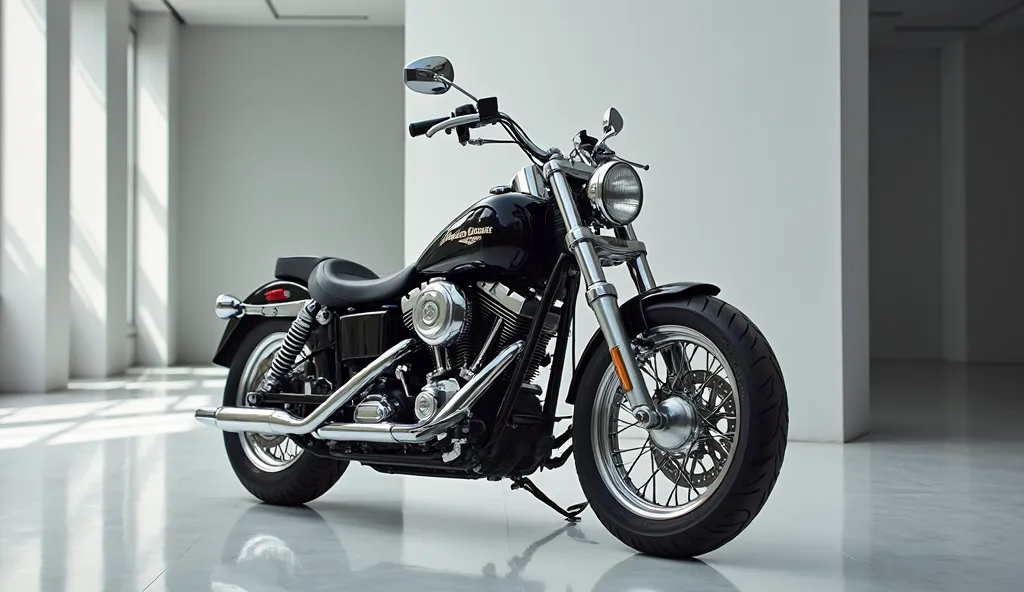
113	486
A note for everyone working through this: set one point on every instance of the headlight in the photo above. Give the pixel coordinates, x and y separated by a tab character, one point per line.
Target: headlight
616	193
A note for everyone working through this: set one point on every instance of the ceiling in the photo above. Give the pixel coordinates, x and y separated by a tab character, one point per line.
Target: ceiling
893	23
347	13
934	23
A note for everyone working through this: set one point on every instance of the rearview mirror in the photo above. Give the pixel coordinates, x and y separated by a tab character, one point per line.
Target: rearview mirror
612	122
431	75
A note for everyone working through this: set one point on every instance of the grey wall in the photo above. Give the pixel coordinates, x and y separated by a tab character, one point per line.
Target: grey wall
994	102
947	197
906	204
291	143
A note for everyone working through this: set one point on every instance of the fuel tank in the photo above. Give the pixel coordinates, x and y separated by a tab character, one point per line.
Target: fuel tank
505	233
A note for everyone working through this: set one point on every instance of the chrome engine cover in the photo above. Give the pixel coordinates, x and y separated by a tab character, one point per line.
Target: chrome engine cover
433	396
439	311
373	409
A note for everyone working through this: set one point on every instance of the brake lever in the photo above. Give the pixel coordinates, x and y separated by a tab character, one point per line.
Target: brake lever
645	167
609	155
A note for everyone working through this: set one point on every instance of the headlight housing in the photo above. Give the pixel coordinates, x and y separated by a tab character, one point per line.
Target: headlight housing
616	193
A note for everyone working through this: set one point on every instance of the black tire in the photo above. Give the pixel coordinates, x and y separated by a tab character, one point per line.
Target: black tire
309	478
761	443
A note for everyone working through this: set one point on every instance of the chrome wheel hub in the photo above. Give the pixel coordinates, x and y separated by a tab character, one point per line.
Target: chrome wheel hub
678	421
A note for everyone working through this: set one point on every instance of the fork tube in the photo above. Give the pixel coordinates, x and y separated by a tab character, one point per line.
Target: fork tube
602	299
639	269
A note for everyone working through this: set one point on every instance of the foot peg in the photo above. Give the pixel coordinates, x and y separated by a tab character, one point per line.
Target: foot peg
571	513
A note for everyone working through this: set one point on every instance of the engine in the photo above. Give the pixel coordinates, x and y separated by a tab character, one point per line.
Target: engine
465	328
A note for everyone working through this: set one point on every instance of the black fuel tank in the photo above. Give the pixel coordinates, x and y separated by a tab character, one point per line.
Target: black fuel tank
503	233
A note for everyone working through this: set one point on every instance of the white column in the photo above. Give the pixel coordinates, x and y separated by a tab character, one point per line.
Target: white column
757	179
99	187
856	340
156	106
34	297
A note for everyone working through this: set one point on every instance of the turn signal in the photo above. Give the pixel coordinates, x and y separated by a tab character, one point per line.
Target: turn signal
620	369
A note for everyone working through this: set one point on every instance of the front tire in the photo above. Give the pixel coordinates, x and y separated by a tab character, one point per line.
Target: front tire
274	470
739	411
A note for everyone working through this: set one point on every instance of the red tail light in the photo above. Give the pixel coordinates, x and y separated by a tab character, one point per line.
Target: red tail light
276	295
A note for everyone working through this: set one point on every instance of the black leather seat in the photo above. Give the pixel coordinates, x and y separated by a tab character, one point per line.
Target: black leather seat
331	285
298	269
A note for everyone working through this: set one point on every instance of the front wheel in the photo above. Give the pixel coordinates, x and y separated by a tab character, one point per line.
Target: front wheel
693	485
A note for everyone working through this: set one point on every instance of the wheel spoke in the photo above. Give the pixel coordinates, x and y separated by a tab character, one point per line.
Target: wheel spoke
646	444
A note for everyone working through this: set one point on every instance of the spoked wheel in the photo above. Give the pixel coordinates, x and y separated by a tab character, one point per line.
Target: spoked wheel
694	483
273	468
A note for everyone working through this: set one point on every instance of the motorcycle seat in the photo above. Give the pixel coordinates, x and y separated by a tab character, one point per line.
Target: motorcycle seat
331	285
298	269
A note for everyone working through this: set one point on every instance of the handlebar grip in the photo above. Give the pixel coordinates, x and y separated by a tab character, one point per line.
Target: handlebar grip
419	128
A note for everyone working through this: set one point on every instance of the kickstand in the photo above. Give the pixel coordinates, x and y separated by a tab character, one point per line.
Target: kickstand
571	513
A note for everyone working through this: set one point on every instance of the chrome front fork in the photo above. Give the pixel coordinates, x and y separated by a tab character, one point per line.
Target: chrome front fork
602	296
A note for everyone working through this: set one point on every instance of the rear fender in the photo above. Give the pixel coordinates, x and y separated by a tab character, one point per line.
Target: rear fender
632	312
238	327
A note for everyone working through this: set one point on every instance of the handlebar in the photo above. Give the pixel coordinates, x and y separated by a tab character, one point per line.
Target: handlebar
419	128
430	127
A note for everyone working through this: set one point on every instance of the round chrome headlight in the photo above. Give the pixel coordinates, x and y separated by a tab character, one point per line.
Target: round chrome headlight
616	193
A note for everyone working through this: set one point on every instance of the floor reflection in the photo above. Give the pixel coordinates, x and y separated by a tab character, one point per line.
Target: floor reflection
292	549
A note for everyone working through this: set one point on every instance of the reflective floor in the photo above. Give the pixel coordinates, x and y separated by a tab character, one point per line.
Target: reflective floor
114	487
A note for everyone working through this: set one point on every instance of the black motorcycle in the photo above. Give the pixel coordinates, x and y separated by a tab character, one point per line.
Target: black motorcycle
680	413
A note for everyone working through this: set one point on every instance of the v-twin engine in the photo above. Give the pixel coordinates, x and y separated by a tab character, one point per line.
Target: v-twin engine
465	326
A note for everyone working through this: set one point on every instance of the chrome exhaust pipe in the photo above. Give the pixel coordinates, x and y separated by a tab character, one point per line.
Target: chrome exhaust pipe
280	422
453	411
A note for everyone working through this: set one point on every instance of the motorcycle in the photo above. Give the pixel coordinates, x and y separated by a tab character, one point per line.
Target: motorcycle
679	404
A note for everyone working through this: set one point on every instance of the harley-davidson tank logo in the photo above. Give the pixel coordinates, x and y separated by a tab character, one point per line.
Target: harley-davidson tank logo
467	236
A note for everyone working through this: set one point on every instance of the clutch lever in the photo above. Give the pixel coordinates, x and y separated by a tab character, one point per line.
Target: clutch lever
453	122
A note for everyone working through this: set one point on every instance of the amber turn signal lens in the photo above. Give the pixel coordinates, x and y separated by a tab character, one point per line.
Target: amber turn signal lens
620	369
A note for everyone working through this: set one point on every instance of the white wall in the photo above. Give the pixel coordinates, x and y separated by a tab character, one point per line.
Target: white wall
745	141
906	204
291	144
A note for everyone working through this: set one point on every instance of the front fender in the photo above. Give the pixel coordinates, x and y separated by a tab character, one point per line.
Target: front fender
238	327
632	312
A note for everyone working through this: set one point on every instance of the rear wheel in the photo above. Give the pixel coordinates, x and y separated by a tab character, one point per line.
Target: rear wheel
273	468
690	488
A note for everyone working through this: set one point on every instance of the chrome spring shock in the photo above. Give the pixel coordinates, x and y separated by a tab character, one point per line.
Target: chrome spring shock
294	341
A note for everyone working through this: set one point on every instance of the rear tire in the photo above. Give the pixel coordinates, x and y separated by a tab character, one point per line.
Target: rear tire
304	479
734	498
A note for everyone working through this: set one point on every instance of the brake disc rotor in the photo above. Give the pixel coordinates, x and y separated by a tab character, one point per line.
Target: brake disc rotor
701	461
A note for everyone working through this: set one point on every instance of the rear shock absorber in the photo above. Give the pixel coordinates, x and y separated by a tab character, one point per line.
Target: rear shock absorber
294	341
